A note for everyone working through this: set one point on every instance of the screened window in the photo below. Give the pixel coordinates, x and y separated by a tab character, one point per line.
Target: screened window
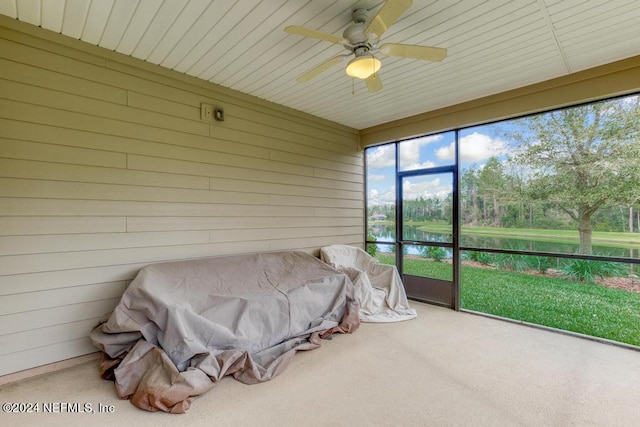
535	219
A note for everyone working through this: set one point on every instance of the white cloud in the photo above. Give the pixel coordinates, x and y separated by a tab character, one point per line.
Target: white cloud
381	157
384	155
474	147
414	166
425	189
410	150
446	153
388	198
376	178
376	198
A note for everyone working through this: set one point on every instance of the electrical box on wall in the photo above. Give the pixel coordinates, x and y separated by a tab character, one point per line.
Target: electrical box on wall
210	113
206	112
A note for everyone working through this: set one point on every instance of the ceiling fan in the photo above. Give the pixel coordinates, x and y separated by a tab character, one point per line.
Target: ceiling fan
362	38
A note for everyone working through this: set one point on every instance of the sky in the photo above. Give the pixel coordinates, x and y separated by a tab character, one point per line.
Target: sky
477	145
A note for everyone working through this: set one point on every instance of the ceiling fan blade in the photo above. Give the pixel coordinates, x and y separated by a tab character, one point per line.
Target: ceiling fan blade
320	68
390	12
302	31
426	53
373	82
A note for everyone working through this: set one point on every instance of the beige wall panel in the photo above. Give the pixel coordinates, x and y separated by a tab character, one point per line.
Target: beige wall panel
285	157
249	168
284	189
282	174
50	46
25	150
22	360
15	245
280	233
208	223
14	71
13	206
53	135
47	116
164	106
10	226
19	264
210	165
316	152
36	338
321	132
18	322
66	65
10	187
313	242
66	172
24	54
340	213
74	120
135	80
70	67
212	152
79	104
319	151
48	280
190	147
29	301
285	135
278	200
351	177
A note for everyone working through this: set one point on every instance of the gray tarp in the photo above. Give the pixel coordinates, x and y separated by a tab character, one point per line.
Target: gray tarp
181	326
378	287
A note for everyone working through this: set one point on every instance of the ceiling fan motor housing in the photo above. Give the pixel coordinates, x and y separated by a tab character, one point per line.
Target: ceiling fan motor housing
355	32
360	15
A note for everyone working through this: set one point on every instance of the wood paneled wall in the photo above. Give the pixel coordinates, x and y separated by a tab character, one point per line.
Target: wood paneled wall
106	166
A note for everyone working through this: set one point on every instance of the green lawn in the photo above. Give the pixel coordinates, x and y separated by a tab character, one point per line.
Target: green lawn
564	304
606	238
617	239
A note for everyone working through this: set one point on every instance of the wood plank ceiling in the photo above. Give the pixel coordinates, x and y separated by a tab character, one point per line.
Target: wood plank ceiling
493	46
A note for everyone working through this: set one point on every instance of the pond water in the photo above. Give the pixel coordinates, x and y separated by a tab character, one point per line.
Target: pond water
387	234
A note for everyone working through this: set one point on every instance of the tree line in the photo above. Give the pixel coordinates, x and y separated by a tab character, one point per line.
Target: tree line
494	197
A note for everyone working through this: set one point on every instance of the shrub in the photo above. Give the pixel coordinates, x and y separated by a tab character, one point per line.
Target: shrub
482	257
540	263
435	252
512	262
584	270
372	248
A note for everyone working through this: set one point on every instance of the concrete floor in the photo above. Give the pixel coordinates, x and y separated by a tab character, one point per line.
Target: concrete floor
444	368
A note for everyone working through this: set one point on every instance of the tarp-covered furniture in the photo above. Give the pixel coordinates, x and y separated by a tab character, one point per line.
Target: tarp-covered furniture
181	326
378	287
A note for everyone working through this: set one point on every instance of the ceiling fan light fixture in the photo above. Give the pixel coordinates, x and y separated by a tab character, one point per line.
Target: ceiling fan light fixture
363	66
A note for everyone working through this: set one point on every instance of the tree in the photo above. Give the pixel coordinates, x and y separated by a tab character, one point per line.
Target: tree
491	182
469	197
582	158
